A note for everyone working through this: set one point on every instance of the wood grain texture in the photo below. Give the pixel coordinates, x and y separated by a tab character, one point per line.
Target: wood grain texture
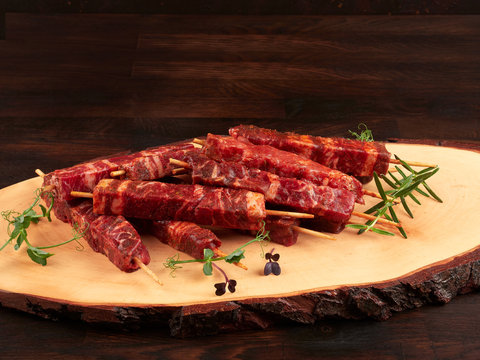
303	70
250	7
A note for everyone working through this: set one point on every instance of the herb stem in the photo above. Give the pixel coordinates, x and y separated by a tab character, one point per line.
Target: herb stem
220	269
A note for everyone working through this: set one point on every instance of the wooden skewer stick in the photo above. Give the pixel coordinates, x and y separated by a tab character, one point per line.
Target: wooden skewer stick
378	196
42	175
312	232
180	163
147	270
117	173
81	194
48	188
199	141
290	213
179	171
412	163
380	220
195	145
221	253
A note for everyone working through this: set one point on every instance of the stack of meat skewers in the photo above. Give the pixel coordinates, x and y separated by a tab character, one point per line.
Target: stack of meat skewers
233	180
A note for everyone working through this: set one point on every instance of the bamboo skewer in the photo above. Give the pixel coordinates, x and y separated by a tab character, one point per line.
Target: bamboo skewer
42	175
147	270
81	194
179	171
199	141
378	196
39	173
117	173
183	164
380	220
293	214
312	232
412	163
198	146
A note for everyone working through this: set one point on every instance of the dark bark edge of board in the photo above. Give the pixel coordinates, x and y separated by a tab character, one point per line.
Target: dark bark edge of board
437	284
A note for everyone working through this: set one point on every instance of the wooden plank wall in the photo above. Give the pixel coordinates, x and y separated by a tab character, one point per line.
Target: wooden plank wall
128	81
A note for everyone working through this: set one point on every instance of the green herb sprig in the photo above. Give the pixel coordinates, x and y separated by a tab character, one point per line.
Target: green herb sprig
18	224
365	133
401	188
235	256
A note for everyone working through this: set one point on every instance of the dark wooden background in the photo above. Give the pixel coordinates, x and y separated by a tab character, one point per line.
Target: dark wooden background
81	79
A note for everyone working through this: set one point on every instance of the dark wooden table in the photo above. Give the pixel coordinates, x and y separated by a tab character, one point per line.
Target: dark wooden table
74	87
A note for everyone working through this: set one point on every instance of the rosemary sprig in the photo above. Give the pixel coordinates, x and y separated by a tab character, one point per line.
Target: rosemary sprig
235	256
18	224
365	133
401	188
380	209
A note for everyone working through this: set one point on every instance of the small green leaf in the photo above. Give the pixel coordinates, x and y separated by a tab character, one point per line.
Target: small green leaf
365	134
404	164
20	239
235	256
395	218
414	198
388	181
405	206
375	207
16	230
379	187
400	171
382	232
421	192
207	268
44	209
208	254
38	256
425	170
431	192
356	226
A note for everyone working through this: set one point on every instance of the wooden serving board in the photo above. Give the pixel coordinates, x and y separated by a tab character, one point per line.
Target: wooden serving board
353	277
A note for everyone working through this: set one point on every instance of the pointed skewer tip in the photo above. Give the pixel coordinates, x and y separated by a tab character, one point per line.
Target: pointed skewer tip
147	270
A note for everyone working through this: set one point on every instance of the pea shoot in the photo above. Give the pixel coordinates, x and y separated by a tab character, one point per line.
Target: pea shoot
209	258
18	224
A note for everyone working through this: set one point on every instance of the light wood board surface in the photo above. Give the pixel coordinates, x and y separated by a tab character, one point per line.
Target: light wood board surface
439	232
